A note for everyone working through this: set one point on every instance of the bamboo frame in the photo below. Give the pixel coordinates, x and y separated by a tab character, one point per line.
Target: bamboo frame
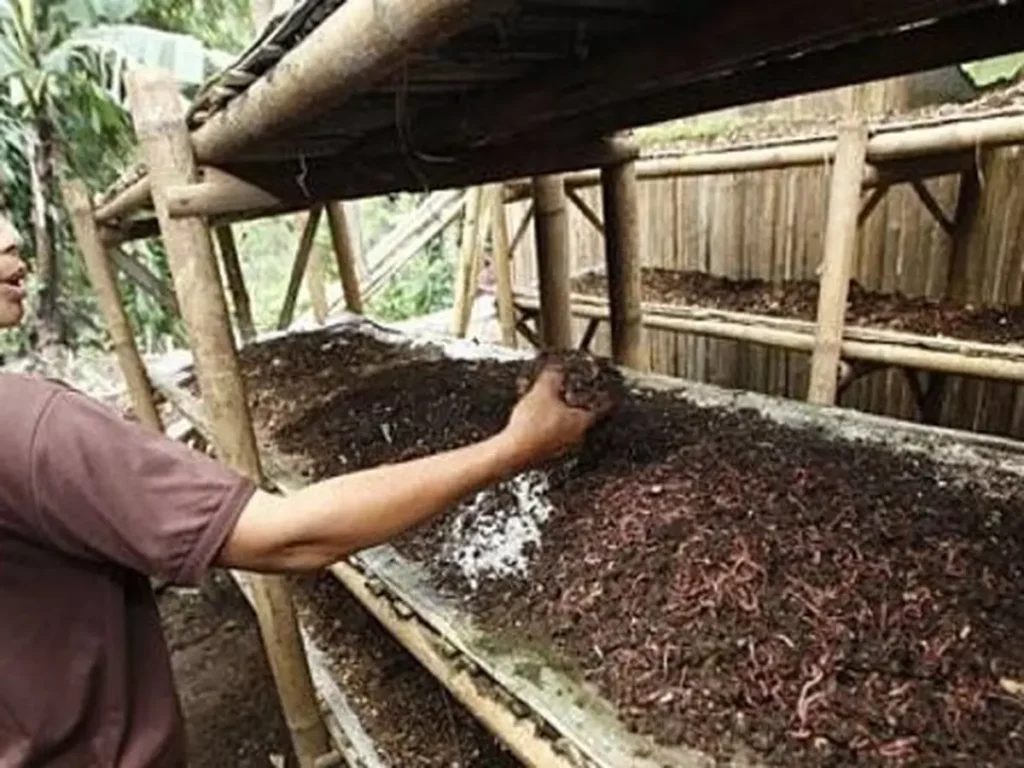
502	260
840	244
345	256
936	150
236	282
469	256
139	274
552	237
299	266
622	262
101	275
978	359
164	141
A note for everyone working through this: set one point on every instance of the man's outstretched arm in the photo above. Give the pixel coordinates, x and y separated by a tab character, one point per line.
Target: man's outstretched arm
330	519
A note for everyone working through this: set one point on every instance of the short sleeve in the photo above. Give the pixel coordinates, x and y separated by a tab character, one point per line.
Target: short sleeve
112	491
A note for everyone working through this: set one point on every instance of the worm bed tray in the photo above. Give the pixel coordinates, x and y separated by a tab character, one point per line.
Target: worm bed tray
798	299
715	574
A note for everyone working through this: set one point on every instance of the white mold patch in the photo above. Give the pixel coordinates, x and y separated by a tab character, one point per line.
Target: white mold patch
490	537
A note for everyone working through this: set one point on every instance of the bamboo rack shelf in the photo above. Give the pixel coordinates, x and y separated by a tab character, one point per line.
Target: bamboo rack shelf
542	721
890	348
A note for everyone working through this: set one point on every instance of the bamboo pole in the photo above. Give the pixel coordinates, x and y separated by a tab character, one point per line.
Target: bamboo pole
469	252
881	347
502	256
589	213
584	304
316	281
552	235
345	253
163	138
357	45
623	262
236	282
299	266
101	275
521	228
840	244
137	272
129	200
791	154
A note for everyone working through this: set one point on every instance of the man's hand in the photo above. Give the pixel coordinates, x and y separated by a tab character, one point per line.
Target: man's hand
543	427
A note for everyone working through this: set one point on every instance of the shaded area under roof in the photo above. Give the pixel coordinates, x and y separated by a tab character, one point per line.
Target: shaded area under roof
426	93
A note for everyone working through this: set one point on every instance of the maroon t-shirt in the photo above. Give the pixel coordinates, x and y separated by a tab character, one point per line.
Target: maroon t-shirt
90	506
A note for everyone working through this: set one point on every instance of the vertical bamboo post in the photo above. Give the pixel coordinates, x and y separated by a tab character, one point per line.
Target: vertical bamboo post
502	255
299	267
345	249
622	261
316	282
101	275
167	151
468	253
236	282
552	233
840	243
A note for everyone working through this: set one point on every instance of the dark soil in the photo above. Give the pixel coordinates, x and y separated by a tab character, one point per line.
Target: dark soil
227	693
721	578
798	299
413	720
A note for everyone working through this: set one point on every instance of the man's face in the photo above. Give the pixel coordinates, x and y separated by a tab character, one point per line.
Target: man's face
12	276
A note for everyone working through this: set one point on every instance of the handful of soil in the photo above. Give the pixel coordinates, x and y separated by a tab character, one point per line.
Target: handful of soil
588	381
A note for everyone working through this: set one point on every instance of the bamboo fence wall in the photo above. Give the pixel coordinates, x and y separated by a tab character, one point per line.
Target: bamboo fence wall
771	224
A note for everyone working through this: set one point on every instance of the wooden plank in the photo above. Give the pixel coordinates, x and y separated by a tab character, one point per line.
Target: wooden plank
840	241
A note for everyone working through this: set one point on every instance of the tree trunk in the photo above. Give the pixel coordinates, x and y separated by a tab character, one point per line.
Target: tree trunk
51	329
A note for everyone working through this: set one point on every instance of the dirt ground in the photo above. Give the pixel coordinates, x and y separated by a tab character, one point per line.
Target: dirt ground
721	578
231	710
798	299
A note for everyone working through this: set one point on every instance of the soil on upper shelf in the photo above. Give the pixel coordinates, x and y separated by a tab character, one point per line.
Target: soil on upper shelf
798	299
413	720
723	579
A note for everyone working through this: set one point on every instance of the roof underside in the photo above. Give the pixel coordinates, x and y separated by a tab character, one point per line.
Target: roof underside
536	78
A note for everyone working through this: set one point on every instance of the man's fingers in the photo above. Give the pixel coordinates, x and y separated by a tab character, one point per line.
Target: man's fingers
550	379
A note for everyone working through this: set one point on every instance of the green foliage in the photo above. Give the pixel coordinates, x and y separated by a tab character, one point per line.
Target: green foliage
221	24
424	286
995	71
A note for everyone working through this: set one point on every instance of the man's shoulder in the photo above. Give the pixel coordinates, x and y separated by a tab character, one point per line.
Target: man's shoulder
24	398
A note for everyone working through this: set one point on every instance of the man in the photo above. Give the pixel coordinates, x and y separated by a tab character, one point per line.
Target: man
91	505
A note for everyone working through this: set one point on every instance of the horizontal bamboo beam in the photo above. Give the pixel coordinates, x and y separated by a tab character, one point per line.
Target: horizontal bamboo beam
791	155
133	197
985	361
294	185
358	45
